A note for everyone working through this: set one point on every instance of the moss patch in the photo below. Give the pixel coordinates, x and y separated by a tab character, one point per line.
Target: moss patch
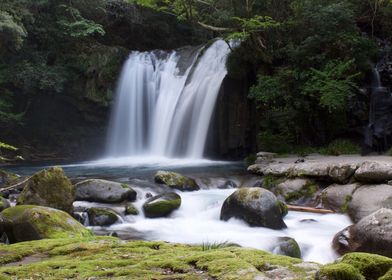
105	257
357	266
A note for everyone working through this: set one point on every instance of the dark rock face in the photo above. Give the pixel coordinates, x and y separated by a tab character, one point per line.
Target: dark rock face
97	190
256	206
101	216
232	132
49	188
161	205
372	234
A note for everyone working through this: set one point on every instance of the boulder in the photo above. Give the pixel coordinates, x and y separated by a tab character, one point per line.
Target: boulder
374	172
101	216
287	246
49	187
368	199
130	209
256	206
176	181
4	203
337	197
97	190
297	191
30	222
161	205
372	234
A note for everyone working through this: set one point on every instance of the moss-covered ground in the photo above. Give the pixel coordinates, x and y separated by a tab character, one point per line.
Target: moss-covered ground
107	257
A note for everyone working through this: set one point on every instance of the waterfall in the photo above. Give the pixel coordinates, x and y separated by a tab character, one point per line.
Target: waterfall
165	100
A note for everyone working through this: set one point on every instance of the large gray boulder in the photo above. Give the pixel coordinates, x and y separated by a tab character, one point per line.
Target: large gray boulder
372	234
368	199
374	172
176	181
256	206
97	190
49	187
161	205
338	197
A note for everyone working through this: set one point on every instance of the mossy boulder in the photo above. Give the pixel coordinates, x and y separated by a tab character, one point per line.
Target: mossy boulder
297	191
4	203
130	209
97	190
49	187
176	181
287	246
256	206
372	234
30	222
356	266
101	216
161	205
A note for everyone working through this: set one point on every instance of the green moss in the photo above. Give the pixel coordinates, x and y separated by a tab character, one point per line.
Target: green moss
306	192
104	257
124	186
283	208
387	276
370	265
347	200
271	181
339	271
43	222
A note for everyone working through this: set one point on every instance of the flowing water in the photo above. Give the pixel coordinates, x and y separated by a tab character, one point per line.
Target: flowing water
164	102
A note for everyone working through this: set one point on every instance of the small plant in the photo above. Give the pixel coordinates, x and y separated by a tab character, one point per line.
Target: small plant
206	246
250	159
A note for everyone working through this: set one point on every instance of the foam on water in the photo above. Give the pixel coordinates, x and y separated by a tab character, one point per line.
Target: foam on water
197	221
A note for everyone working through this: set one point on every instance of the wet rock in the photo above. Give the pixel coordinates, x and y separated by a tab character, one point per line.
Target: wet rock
337	197
368	199
375	172
176	181
256	206
297	191
161	205
49	188
287	246
101	216
229	184
372	234
131	210
148	195
97	190
29	222
4	203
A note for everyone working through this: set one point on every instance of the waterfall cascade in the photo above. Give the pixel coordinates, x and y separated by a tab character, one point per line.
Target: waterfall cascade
165	101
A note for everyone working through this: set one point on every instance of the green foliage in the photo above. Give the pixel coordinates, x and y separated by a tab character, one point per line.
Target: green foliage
75	25
12	34
5	146
206	246
341	147
332	85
